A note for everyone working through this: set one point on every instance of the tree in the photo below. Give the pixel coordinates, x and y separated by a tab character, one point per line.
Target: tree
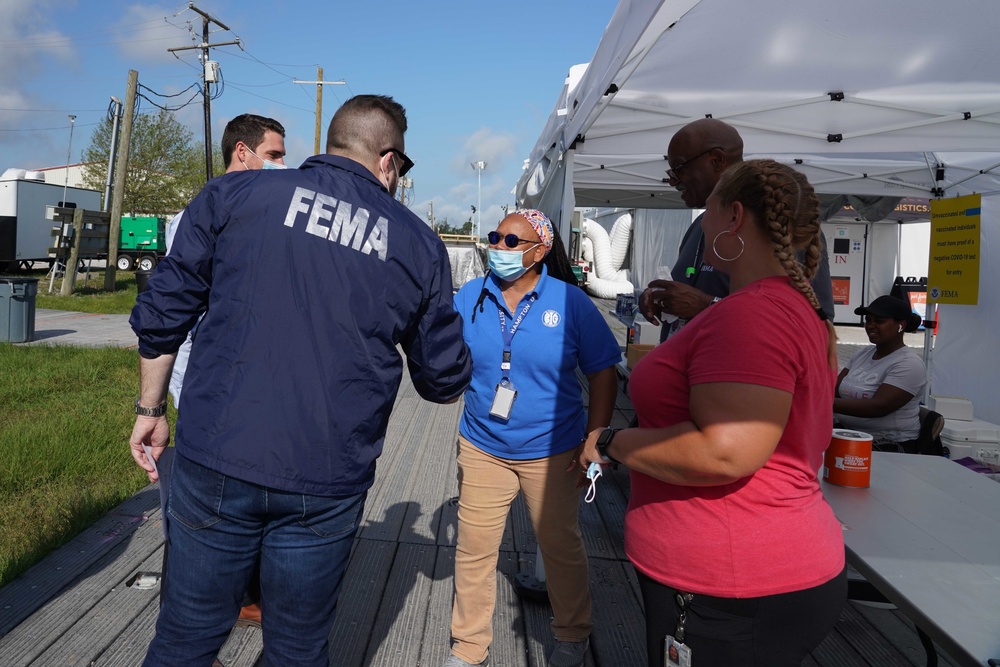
165	169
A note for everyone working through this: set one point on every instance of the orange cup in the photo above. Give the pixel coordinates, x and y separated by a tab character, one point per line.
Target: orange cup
848	459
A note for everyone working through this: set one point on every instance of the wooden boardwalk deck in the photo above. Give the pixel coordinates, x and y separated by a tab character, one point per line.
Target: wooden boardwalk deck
88	603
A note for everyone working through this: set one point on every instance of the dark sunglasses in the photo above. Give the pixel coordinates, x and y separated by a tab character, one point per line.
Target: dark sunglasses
407	162
511	240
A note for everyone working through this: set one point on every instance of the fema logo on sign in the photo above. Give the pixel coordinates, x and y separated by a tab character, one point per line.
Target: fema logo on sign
550	318
935	292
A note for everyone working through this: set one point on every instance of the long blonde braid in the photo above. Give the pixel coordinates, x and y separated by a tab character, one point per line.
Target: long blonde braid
785	204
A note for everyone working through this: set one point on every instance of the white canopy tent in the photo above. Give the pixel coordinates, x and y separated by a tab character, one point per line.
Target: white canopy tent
867	97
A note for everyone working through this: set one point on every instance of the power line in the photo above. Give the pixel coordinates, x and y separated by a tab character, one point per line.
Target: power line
44	129
193	85
284	104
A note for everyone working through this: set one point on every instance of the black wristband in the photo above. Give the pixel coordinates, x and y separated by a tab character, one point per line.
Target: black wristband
604	442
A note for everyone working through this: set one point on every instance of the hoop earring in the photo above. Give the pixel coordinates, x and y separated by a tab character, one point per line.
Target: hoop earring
728	259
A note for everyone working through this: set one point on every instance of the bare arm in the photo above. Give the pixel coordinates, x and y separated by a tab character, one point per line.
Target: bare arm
603	393
886	399
676	298
734	430
154	376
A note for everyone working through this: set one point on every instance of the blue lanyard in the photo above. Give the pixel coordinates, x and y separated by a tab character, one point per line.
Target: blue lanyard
508	336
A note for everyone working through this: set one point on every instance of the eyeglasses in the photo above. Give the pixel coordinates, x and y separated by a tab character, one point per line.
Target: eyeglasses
672	172
510	240
407	162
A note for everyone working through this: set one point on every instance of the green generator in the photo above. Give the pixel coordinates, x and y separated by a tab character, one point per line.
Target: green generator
143	243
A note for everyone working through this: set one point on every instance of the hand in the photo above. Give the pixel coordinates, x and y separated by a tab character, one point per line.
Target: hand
573	467
151	431
648	306
676	298
588	450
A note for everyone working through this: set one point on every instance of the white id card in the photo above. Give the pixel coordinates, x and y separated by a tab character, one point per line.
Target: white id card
675	653
503	400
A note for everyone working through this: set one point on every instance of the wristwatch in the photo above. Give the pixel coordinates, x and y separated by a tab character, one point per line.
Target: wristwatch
158	411
604	441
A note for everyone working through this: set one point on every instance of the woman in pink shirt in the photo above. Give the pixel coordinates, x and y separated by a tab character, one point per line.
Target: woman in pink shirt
739	557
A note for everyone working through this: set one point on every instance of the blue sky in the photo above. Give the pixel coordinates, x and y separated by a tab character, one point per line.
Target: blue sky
478	79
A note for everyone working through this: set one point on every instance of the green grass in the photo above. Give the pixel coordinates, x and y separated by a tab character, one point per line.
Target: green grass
89	297
64	457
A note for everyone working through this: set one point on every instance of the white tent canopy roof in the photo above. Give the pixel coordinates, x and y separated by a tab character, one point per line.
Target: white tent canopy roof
872	96
895	98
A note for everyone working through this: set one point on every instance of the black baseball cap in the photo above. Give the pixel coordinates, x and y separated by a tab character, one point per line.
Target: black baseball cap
887	306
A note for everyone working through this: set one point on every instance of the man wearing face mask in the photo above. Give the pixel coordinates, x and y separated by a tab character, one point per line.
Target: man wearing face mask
249	142
312	278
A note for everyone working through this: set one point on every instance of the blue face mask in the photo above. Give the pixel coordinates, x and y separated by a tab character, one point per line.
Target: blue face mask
506	264
265	163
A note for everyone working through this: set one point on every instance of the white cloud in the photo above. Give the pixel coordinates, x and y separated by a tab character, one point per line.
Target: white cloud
27	40
496	149
28	44
145	32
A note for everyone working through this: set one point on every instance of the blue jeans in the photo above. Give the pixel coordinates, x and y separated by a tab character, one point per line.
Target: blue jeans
216	527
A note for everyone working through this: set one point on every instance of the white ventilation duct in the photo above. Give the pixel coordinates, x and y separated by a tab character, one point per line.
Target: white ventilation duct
607	281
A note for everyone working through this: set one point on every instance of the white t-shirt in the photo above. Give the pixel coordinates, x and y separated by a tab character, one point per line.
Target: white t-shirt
181	362
902	369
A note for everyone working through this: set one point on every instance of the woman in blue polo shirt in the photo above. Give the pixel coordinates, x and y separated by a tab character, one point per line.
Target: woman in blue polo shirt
523	422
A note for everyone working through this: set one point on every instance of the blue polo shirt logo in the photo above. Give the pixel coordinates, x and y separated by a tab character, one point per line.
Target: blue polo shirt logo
551	318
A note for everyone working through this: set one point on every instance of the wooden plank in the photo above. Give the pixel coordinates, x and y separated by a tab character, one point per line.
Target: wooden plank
596	537
129	647
95	631
437	625
834	651
899	632
397	634
360	599
393	480
40	583
619	634
511	641
82	598
243	648
865	640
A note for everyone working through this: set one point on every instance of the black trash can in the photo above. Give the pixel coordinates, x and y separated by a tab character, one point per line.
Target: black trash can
17	309
141	279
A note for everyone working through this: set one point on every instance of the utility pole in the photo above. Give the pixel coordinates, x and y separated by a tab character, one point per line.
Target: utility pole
404	184
210	74
69	154
479	166
430	216
319	101
116	122
118	192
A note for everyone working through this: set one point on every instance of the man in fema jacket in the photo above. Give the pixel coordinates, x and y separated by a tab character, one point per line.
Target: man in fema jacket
309	279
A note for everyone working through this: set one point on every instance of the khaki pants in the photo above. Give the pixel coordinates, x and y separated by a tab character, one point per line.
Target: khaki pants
487	485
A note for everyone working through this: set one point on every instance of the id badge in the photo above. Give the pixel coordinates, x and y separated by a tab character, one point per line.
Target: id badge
503	400
675	653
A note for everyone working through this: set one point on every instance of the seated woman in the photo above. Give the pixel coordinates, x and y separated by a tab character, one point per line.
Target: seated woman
879	390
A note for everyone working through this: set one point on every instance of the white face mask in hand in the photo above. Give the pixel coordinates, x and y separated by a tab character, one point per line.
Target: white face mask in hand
594	471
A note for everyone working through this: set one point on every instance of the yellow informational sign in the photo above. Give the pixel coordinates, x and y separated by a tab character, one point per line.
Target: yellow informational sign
953	276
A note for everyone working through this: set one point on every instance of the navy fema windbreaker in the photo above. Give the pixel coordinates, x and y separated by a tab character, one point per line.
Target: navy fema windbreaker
311	277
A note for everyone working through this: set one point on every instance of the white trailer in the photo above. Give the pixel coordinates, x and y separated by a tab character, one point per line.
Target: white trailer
25	228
